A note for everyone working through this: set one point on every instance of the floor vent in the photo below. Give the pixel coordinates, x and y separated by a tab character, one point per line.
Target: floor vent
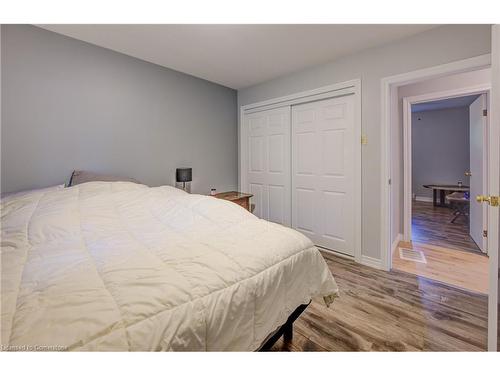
412	255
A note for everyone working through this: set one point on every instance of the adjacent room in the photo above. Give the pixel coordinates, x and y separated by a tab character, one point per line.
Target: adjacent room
448	166
249	187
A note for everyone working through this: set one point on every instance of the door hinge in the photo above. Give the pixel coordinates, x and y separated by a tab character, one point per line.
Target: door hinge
485	233
485	112
389	181
364	140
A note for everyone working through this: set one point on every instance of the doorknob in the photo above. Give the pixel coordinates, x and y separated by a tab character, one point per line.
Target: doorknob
492	200
468	174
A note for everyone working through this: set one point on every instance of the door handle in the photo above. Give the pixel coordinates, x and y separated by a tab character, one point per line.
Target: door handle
492	200
468	174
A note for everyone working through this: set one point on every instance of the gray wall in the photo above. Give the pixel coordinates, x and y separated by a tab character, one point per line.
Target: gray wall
67	105
437	46
440	148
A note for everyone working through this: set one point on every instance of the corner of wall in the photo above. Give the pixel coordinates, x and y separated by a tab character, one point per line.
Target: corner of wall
371	262
395	243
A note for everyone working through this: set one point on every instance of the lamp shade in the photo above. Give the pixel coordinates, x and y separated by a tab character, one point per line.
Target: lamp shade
184	174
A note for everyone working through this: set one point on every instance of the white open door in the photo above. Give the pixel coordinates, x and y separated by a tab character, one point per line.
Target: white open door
478	169
324	147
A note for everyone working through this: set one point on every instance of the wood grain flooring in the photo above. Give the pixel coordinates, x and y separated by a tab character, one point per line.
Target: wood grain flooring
431	225
466	270
390	311
452	256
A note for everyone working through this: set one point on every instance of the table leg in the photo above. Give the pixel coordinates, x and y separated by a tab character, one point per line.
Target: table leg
442	201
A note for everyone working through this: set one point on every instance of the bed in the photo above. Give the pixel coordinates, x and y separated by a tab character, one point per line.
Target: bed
118	266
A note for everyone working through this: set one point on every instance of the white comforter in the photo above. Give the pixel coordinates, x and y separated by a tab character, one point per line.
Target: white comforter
121	266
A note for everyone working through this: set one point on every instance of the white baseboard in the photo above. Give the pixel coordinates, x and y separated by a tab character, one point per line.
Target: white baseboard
365	260
371	262
336	253
395	243
421	198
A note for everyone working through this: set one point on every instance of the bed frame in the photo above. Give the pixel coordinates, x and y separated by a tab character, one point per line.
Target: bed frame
286	330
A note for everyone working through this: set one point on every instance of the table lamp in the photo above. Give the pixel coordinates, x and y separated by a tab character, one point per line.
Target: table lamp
184	175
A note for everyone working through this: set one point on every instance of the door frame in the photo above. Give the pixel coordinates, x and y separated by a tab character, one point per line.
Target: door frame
388	85
352	87
407	145
494	189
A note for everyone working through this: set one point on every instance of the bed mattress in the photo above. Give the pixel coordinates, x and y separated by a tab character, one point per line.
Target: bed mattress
116	266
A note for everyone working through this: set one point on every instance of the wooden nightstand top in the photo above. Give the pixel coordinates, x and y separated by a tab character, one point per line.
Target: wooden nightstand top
233	195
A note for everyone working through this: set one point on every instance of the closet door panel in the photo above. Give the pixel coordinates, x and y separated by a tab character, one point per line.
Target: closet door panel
277	147
304	205
256	162
277	203
333	153
334	225
304	166
268	161
306	153
257	152
323	166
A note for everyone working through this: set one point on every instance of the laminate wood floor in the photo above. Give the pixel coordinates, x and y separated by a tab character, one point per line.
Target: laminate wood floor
458	268
452	256
431	225
390	311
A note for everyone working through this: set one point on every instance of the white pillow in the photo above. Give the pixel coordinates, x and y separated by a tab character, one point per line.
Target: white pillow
18	194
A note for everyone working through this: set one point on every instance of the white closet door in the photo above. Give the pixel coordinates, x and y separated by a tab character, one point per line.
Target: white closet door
268	163
323	172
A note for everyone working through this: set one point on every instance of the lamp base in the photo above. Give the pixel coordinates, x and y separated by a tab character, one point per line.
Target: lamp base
186	186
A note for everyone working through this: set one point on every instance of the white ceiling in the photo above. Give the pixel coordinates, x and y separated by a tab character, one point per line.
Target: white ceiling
461	101
238	56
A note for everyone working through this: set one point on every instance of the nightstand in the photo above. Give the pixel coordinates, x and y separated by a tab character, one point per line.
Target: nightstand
242	199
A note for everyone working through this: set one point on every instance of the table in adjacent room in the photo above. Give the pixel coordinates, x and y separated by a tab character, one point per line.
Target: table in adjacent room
443	190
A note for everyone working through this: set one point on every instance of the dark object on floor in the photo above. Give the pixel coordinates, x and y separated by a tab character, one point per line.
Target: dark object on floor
286	330
460	203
